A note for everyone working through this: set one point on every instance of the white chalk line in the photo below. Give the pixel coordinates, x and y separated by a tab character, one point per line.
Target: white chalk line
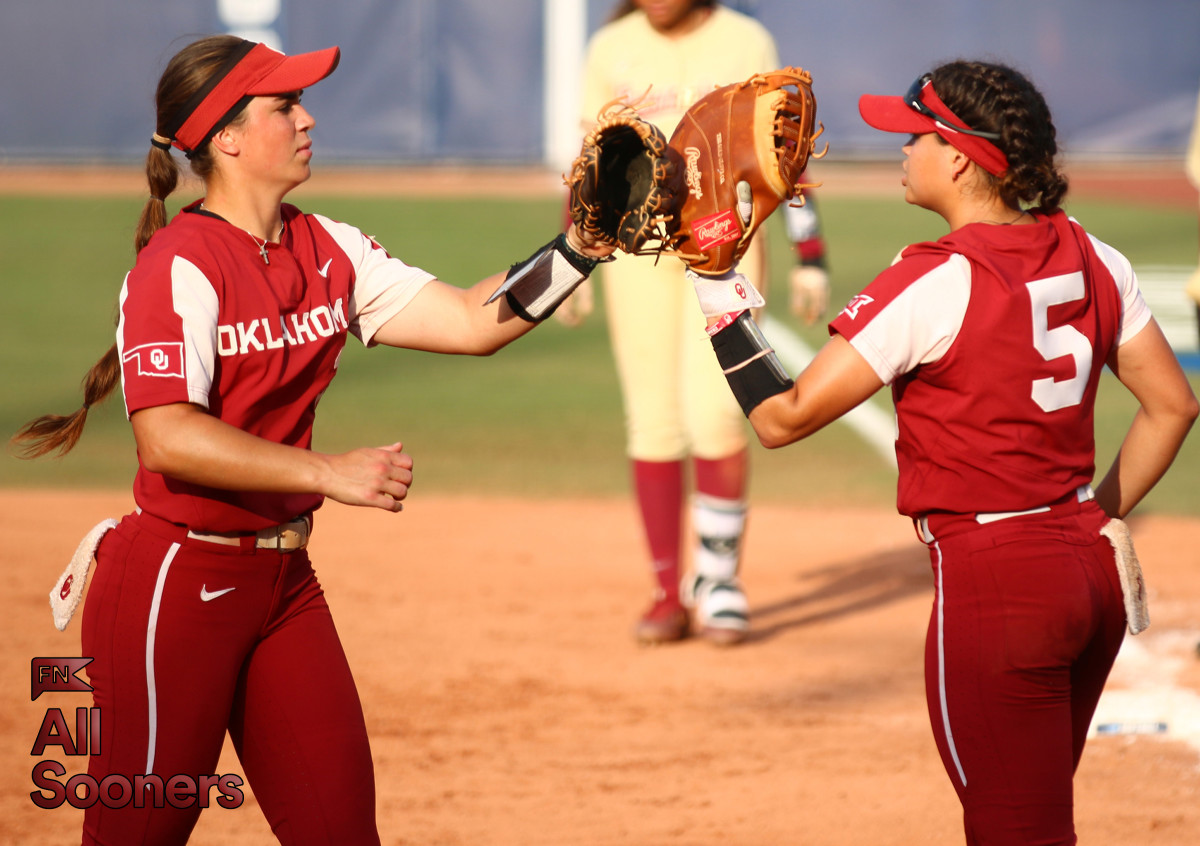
876	427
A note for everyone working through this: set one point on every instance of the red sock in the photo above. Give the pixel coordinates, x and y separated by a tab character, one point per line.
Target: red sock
724	478
659	487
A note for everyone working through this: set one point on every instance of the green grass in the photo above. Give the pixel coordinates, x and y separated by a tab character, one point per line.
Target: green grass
540	418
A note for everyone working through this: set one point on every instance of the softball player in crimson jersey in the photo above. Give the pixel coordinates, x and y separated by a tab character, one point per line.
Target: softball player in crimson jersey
993	339
205	614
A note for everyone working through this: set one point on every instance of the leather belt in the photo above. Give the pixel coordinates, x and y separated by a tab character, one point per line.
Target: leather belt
935	525
286	537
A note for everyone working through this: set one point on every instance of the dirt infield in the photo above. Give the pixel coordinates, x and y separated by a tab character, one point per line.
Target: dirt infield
508	704
506	700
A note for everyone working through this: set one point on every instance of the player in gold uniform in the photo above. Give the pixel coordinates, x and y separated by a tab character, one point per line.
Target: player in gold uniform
662	56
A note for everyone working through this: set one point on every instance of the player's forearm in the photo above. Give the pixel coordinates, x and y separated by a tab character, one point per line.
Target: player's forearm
466	323
1167	407
783	411
789	417
444	318
492	313
781	420
487	327
188	444
837	380
1147	452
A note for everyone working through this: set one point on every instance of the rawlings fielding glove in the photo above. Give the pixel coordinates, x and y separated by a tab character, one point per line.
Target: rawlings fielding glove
760	132
620	183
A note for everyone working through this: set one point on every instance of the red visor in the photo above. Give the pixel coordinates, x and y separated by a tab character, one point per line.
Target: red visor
260	70
897	114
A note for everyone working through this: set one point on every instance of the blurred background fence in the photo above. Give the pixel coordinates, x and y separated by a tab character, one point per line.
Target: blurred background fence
495	81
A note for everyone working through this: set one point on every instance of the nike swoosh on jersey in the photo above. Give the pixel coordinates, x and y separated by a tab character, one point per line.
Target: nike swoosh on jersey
207	595
324	271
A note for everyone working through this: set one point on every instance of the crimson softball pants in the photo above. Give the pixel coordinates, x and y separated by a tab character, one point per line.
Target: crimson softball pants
1027	621
191	639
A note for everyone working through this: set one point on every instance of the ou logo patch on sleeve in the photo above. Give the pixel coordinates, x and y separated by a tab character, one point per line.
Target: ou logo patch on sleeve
163	359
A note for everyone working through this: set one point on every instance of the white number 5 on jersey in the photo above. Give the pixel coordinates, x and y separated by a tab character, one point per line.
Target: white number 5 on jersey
1060	341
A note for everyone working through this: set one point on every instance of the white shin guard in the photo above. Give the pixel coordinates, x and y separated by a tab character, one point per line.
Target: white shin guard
719	525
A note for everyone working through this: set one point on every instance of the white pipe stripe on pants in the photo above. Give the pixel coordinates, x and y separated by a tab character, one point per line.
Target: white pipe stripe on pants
151	628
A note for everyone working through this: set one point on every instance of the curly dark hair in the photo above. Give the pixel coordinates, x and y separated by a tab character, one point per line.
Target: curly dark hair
997	98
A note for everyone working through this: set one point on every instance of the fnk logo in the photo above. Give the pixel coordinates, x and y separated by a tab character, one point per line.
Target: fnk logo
60	675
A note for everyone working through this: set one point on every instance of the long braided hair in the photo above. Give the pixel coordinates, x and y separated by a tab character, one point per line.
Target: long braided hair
997	98
185	74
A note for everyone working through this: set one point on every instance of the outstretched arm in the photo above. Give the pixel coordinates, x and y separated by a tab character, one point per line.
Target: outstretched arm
475	321
780	410
1147	366
836	381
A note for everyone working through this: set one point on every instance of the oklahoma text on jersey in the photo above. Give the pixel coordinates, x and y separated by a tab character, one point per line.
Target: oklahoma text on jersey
323	321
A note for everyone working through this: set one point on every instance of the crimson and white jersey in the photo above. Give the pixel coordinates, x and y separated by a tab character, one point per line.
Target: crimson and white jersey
206	320
993	339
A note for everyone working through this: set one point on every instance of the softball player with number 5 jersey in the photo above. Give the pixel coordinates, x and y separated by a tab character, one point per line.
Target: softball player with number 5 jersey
993	339
205	614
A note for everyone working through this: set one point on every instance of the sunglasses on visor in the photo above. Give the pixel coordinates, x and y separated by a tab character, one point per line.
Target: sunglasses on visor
912	99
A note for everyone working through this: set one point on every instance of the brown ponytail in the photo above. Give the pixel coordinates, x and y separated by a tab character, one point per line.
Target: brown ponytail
53	431
58	433
184	75
162	175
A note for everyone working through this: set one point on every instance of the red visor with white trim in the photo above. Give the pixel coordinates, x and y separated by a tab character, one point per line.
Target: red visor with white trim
253	70
920	111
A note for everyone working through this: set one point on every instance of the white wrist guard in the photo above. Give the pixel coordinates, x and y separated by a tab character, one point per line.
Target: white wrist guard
722	294
534	288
